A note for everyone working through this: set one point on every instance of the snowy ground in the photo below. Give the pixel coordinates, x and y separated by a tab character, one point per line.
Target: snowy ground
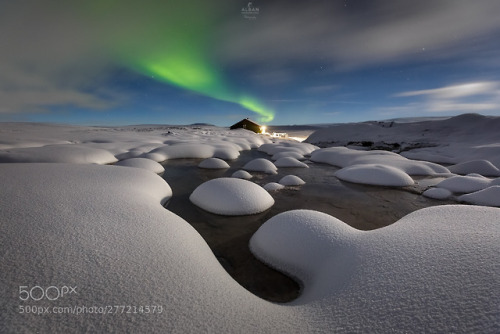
70	219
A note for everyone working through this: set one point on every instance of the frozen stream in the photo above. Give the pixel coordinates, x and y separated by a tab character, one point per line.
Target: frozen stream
362	207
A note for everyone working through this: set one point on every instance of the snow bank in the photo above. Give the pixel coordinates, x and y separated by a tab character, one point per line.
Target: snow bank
482	167
289	162
76	154
142	163
261	165
489	197
213	163
242	174
231	197
432	270
291	180
375	174
273	186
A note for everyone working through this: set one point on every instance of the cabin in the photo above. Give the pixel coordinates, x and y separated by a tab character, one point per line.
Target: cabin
249	125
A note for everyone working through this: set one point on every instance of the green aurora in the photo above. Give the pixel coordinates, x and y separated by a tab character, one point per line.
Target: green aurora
173	46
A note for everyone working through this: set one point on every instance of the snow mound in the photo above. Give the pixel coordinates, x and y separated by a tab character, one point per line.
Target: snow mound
407	275
261	165
375	174
464	184
291	180
482	167
213	163
76	154
242	174
142	163
288	147
437	193
345	157
288	154
488	197
231	197
289	162
273	186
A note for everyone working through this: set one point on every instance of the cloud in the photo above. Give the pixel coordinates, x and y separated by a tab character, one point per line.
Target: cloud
483	96
373	32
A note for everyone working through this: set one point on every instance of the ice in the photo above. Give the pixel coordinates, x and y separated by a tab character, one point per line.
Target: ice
231	197
291	180
289	162
213	163
242	174
489	197
261	165
142	163
375	174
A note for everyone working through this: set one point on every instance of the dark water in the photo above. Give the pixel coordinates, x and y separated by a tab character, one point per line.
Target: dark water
362	207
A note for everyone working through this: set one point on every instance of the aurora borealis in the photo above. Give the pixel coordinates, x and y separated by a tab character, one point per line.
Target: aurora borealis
112	62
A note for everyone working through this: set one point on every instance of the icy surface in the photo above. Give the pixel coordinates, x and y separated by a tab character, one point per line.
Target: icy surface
291	180
142	163
261	165
213	163
289	162
489	197
231	196
242	174
375	174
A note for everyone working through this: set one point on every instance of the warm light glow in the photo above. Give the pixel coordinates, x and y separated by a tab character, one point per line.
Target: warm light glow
263	129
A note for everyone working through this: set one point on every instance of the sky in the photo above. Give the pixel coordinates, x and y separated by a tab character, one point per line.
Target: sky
109	62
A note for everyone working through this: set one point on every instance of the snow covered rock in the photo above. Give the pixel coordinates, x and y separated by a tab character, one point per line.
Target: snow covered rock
289	162
464	184
231	197
213	163
291	180
261	165
142	163
482	167
273	186
488	197
242	174
437	193
375	174
288	154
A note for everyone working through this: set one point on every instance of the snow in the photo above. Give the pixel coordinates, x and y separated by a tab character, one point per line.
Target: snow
213	163
433	269
464	184
291	180
73	221
482	167
289	162
345	157
273	186
437	193
142	163
375	174
261	165
242	174
489	197
288	154
231	197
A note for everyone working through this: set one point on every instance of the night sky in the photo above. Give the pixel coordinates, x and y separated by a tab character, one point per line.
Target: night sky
108	62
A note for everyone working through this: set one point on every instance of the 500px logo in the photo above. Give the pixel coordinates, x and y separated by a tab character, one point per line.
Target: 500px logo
52	292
